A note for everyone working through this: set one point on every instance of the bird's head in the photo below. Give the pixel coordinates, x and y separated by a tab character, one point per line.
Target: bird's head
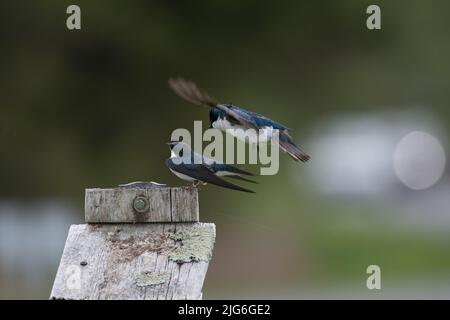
172	144
214	114
179	148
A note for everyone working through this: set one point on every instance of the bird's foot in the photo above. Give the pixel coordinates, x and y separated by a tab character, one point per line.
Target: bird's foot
194	185
201	184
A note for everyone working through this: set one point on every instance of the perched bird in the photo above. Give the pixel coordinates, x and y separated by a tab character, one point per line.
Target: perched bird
193	167
225	116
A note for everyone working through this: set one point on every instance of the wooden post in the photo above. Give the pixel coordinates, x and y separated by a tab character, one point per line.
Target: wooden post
138	243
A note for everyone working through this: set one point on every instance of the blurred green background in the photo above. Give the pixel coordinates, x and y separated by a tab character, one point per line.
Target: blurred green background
91	108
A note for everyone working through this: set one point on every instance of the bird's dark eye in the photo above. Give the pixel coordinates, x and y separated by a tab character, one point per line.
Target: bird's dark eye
181	152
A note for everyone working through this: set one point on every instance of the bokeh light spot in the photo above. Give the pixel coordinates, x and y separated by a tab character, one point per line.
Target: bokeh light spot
419	160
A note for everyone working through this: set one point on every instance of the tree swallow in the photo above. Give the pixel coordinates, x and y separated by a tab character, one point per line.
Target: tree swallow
193	167
229	116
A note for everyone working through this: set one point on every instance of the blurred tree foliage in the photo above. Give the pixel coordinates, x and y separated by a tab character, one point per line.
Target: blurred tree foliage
92	108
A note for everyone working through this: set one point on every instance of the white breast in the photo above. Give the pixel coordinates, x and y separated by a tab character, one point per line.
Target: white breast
182	176
262	135
252	136
222	124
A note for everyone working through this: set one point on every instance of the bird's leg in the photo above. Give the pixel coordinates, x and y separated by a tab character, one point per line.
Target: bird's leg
194	184
201	183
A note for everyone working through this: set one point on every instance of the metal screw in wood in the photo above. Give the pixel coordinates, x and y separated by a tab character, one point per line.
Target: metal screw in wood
141	204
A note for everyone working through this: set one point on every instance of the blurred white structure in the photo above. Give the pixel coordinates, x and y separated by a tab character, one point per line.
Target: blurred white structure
370	154
32	237
352	157
393	161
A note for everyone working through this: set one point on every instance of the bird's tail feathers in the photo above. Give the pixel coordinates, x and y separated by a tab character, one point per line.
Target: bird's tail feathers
231	169
232	186
242	179
288	146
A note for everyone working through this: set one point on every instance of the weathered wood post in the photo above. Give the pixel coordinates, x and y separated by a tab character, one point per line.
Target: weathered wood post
138	243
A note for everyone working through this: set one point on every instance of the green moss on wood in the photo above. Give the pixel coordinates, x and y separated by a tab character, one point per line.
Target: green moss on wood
149	278
195	244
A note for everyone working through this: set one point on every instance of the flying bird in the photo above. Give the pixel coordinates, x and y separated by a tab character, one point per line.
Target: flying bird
193	167
225	116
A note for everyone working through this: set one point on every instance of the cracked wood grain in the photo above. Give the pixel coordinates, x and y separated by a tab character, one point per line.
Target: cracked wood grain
179	204
124	261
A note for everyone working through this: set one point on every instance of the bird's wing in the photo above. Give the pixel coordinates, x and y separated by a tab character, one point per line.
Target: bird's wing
242	179
217	166
258	120
189	91
244	121
204	174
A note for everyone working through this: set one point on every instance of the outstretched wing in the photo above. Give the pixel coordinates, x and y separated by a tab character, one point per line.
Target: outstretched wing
203	173
189	91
